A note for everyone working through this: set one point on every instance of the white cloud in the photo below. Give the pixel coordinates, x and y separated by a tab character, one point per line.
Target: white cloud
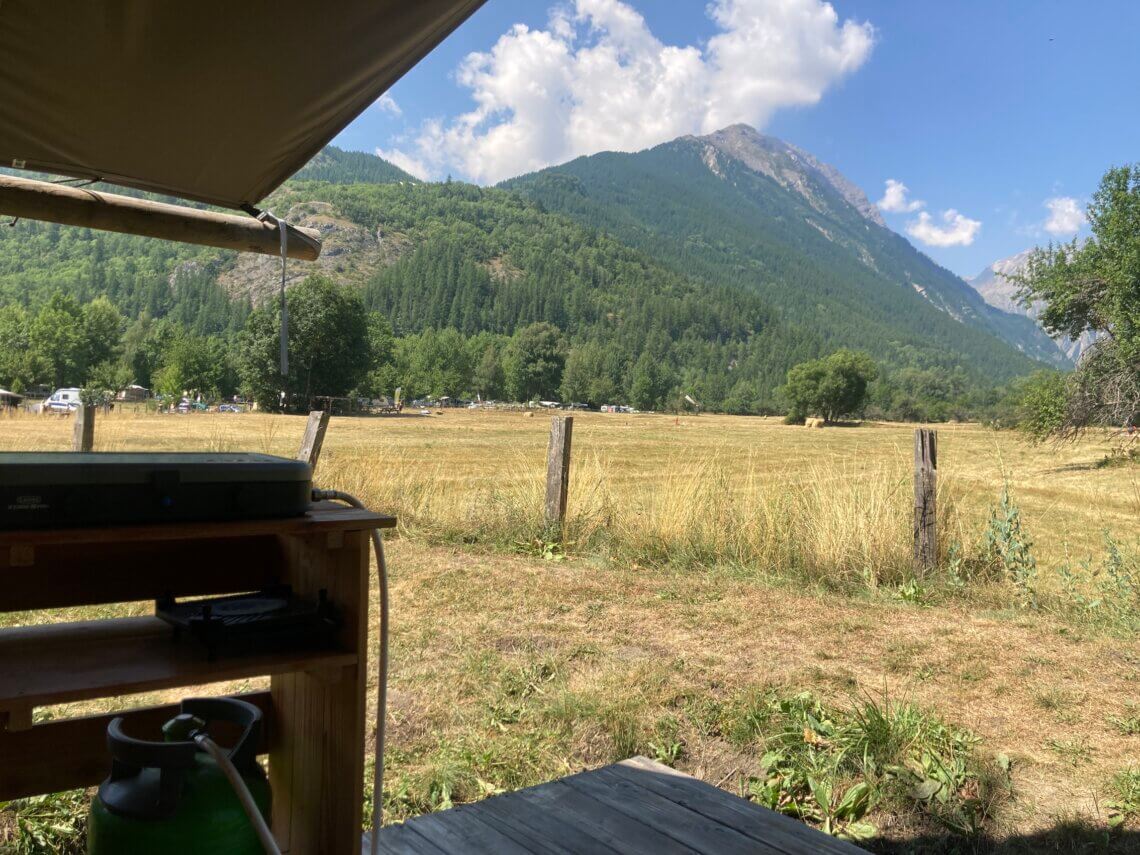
597	78
387	104
1065	216
958	230
894	199
413	166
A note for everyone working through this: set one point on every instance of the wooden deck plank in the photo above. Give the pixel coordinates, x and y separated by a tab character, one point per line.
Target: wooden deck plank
542	832
461	830
669	818
782	832
399	840
595	818
637	806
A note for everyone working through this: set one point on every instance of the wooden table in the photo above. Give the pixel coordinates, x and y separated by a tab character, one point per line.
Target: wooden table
315	704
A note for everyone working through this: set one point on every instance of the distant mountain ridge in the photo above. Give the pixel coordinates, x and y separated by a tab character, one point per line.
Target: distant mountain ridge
1001	293
739	206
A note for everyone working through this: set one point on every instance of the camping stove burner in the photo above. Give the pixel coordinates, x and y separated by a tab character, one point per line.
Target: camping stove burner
266	621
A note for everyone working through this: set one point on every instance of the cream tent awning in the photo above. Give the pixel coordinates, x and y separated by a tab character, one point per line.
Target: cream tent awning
218	101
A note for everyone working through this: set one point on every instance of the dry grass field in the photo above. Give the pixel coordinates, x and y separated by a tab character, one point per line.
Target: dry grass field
713	570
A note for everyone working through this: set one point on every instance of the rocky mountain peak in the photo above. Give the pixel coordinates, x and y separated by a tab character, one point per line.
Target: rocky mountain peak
789	166
1001	293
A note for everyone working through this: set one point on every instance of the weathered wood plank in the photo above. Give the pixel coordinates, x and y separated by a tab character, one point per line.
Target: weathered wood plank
925	512
400	840
321	517
60	663
669	818
314	438
461	830
542	831
781	832
594	819
558	470
83	430
636	806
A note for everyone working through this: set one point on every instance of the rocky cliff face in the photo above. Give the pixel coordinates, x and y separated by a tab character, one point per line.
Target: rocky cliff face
351	252
789	166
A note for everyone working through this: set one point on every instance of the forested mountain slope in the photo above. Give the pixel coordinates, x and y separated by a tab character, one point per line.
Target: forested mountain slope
704	267
746	210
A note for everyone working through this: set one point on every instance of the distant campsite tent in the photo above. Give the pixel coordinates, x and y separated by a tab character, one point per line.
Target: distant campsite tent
9	399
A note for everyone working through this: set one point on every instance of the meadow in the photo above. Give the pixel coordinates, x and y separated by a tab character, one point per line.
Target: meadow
734	596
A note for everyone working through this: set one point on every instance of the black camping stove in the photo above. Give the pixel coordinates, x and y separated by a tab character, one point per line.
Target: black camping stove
264	622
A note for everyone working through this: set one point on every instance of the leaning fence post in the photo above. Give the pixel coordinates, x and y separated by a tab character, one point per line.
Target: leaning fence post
925	487
558	469
314	437
83	431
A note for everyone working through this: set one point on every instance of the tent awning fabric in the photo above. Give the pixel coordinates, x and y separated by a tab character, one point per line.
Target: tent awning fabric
218	101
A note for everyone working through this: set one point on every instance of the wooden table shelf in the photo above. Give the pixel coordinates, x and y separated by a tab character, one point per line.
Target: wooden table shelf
62	663
315	704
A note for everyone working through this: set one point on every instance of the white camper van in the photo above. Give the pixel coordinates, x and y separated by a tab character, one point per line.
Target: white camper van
62	401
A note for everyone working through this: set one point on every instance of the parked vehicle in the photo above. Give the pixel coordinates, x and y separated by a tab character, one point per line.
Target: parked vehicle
229	408
62	401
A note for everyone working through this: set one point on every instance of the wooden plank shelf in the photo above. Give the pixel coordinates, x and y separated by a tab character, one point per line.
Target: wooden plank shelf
315	702
323	517
78	747
63	663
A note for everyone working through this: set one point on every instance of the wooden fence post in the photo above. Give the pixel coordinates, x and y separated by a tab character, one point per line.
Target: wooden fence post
314	437
925	488
83	431
558	469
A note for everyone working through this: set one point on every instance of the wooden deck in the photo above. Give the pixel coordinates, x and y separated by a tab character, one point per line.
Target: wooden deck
636	806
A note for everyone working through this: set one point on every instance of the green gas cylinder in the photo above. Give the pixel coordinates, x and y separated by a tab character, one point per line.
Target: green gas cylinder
171	797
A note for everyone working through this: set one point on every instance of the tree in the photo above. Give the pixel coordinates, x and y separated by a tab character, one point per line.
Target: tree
102	332
1094	287
193	364
383	376
329	351
648	384
534	361
144	344
592	374
832	387
56	341
17	369
488	379
435	363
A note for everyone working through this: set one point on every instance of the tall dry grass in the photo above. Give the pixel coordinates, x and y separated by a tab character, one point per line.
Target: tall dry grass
833	508
848	526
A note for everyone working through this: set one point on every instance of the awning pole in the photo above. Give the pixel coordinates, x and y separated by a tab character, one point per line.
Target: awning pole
80	206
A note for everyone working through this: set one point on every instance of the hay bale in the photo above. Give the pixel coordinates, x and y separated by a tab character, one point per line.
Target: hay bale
814	423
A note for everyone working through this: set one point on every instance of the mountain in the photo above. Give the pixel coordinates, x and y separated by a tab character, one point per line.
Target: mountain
351	167
742	208
706	266
1001	293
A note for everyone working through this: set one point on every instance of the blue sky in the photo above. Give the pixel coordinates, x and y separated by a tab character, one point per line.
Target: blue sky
998	117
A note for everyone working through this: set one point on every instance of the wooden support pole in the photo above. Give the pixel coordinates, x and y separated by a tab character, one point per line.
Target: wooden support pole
314	437
925	488
558	469
83	431
81	206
